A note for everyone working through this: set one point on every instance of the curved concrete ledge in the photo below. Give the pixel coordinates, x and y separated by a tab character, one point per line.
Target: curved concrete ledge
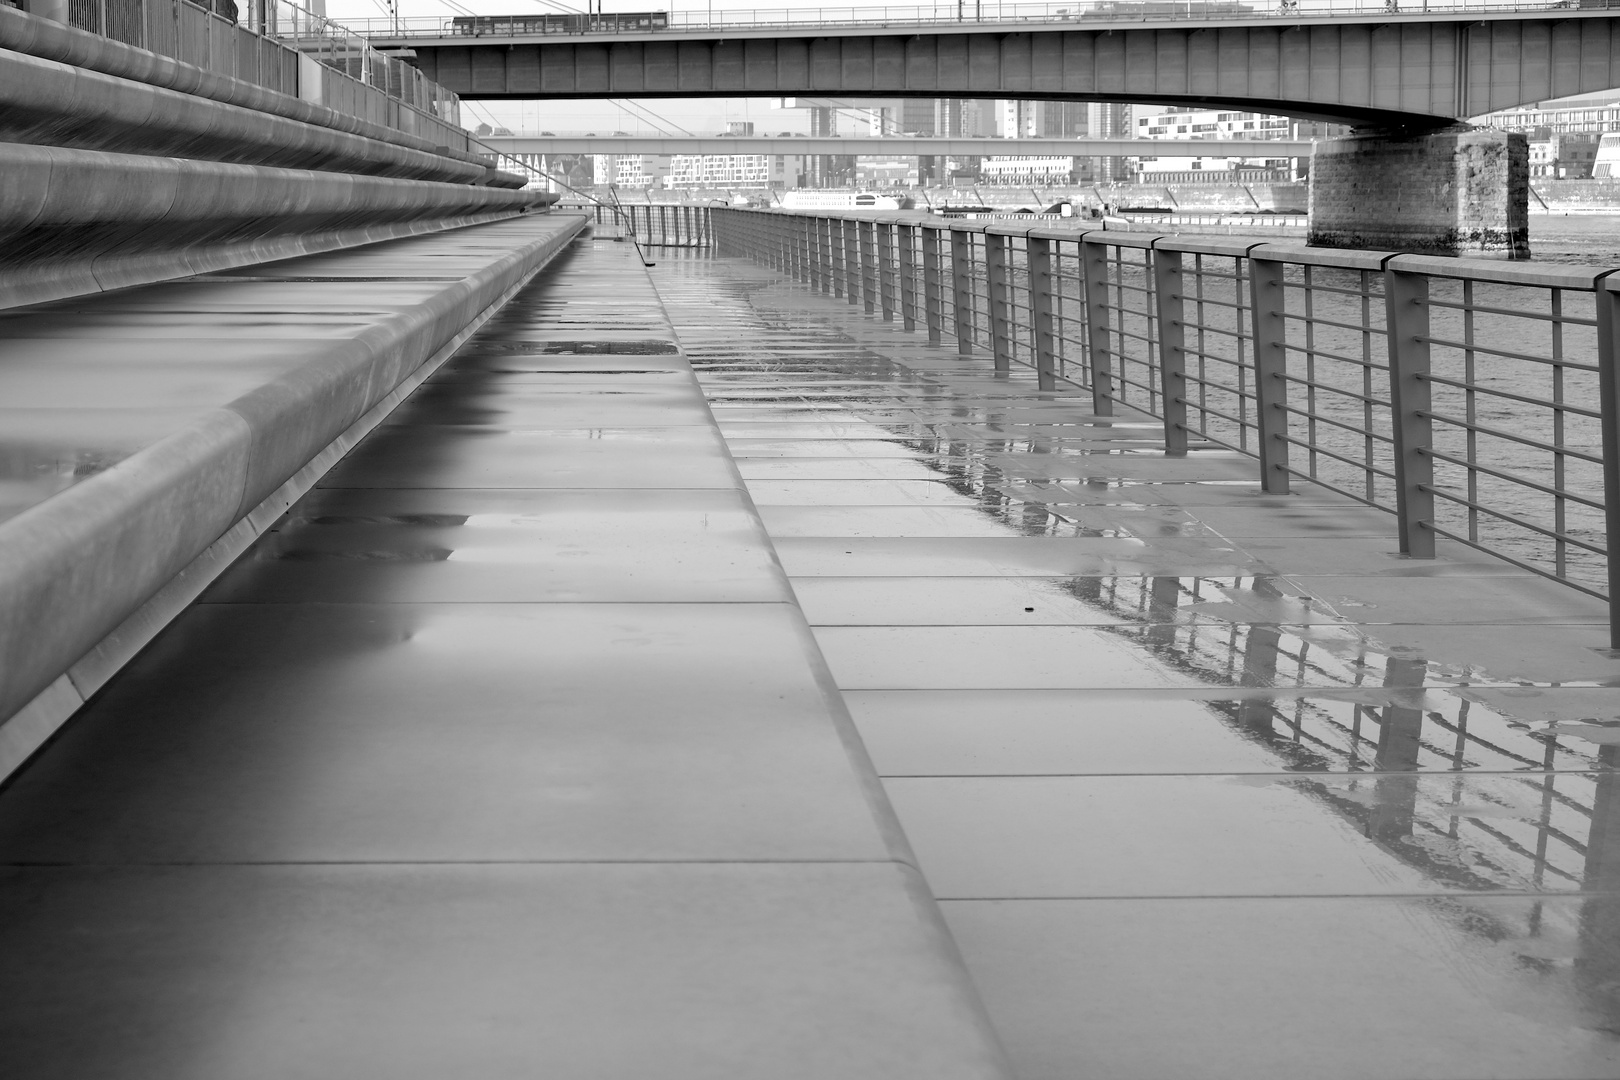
52	104
41	37
74	222
77	565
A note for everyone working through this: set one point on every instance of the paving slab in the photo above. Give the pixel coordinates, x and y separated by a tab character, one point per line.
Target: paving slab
1210	782
506	752
802	971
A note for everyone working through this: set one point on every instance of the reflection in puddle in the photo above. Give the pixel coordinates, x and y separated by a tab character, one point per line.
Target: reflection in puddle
1471	796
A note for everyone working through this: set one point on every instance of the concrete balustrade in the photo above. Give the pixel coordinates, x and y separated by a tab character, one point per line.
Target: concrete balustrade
53	104
74	222
76	566
49	40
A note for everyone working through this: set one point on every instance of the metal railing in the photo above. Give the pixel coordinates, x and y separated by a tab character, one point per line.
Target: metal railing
271	47
984	12
681	225
1474	400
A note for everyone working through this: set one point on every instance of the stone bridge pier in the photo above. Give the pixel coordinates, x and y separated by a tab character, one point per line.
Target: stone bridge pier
1459	191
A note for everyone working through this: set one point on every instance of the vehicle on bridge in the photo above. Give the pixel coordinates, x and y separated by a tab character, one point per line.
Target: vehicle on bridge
558	23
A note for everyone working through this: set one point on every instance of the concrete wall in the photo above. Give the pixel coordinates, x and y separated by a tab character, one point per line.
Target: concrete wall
49	40
1444	193
76	222
55	104
1572	195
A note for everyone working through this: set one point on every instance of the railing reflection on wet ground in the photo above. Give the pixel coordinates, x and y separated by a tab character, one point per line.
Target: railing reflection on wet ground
1496	816
1466	397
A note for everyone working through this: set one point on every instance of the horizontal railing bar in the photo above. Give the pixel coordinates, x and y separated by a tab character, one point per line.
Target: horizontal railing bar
1520	563
1210	410
1346	492
1513	313
1318	320
1365	466
1353	395
1295	410
1512	478
1463	346
1508	395
1555	449
1214	301
1337	290
1363	366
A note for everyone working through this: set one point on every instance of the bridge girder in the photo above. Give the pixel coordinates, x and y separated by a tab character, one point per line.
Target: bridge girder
1402	72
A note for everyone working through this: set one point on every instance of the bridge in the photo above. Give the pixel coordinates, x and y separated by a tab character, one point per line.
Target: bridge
1397	76
439	636
1384	69
895	145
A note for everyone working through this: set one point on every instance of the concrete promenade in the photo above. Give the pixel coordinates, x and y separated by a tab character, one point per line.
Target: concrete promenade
693	677
1209	783
505	753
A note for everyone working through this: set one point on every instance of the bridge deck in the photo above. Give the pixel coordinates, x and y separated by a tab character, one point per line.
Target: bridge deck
1209	783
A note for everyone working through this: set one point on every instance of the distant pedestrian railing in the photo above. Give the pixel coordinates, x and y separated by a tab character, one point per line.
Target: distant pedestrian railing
685	225
1474	400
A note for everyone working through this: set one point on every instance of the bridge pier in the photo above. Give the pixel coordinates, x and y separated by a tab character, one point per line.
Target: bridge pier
1463	191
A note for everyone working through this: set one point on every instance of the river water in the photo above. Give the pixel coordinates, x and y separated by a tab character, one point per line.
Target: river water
1576	238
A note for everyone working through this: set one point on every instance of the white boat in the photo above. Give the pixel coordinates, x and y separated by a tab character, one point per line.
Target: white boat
839	200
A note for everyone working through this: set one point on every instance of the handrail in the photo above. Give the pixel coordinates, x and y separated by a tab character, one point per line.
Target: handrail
1470	398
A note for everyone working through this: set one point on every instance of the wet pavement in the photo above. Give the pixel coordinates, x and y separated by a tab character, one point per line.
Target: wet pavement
505	753
1209	783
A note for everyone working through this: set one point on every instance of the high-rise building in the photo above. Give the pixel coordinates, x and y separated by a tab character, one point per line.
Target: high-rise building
1109	120
736	170
630	170
918	116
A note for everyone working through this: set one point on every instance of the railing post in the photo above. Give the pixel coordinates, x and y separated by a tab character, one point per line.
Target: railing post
835	254
852	260
933	293
824	225
886	269
801	250
1038	254
1094	280
869	267
1167	267
818	255
995	259
1270	330
1608	327
962	288
906	237
1406	321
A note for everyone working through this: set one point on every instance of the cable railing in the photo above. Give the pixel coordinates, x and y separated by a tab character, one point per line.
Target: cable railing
1102	13
1476	401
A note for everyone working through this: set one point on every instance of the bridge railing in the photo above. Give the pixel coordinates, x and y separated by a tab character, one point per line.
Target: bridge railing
1473	400
980	12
